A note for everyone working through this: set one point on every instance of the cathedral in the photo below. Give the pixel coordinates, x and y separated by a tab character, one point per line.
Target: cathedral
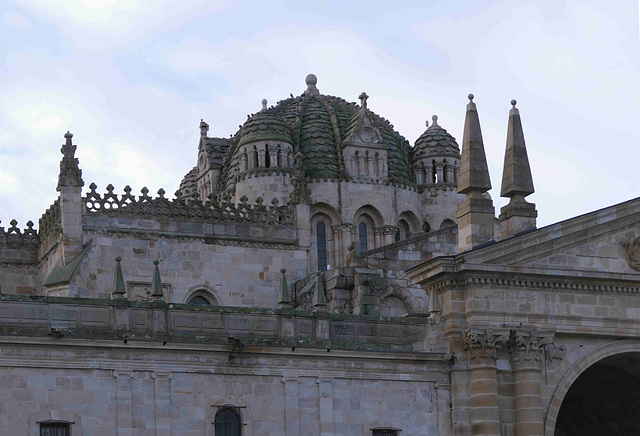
316	273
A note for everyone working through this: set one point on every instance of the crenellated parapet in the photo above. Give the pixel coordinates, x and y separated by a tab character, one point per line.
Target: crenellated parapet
212	209
13	237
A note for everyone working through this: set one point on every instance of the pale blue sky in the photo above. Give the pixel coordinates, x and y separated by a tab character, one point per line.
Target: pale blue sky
131	80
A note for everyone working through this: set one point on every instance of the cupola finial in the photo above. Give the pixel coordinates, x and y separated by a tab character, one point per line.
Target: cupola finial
311	80
435	120
264	104
363	100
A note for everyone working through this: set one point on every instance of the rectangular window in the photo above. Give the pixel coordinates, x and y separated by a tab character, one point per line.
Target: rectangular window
55	429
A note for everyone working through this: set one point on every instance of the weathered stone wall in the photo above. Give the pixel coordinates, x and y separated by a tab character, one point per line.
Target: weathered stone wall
114	367
19	271
238	263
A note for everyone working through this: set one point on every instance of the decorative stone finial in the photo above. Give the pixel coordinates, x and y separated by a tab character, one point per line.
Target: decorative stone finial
284	298
518	216
427	123
156	284
516	173
435	120
513	103
474	172
311	80
119	286
264	104
363	99
204	128
319	298
70	172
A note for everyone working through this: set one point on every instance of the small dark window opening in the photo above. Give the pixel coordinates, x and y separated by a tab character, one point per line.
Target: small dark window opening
384	432
398	235
267	158
321	235
55	429
362	236
227	423
199	301
426	228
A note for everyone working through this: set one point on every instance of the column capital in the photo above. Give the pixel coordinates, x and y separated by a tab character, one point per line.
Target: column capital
527	348
482	344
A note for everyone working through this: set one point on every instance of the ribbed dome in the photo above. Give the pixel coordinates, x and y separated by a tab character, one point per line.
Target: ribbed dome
188	185
319	125
265	125
435	141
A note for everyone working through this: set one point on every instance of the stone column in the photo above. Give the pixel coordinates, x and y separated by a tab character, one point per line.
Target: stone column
162	393
291	405
124	417
440	173
481	346
419	175
527	354
429	174
273	157
261	159
325	400
448	174
245	163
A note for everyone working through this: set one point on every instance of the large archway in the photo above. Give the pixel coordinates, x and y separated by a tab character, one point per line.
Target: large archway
604	400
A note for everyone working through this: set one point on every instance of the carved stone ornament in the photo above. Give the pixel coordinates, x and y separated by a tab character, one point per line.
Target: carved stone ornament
362	129
528	348
70	172
632	253
483	344
301	193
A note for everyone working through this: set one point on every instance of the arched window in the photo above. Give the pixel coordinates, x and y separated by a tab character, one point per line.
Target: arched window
362	236
199	301
321	235
398	236
426	227
227	423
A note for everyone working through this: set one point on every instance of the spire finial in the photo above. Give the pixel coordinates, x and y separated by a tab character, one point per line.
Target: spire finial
264	104
284	298
513	103
156	283
474	172
319	298
363	100
311	80
516	173
119	286
435	120
70	172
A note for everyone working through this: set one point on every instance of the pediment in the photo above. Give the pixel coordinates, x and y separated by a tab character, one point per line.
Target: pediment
604	241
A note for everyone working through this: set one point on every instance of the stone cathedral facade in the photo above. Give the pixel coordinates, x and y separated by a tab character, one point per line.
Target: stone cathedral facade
317	274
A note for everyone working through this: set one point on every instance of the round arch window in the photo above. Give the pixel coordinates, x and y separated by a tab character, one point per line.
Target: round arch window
227	423
199	300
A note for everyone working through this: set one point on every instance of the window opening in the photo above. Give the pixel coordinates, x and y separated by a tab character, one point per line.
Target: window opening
55	429
267	157
227	423
398	235
362	236
321	235
384	432
199	301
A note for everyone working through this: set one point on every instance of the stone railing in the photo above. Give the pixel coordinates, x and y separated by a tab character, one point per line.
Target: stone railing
160	321
212	209
13	237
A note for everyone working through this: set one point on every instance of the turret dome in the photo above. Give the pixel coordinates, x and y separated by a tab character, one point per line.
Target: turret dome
435	142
